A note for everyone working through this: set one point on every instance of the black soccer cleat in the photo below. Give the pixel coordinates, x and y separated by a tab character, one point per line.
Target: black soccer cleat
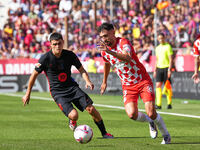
108	136
169	106
158	107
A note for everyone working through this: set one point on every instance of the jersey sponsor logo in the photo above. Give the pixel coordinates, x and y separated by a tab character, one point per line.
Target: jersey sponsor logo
62	77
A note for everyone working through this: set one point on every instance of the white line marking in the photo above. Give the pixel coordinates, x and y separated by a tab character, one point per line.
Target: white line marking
166	113
101	105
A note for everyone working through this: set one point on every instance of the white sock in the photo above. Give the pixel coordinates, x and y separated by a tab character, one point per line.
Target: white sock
143	117
161	125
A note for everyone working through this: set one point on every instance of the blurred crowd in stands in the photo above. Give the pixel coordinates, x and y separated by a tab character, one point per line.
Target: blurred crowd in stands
25	34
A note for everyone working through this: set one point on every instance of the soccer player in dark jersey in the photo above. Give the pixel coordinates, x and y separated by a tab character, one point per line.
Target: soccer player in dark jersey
56	65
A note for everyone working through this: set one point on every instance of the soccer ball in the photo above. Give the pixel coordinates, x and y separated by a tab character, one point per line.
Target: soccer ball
83	134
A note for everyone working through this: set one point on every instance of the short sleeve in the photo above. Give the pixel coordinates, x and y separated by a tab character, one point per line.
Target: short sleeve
170	50
41	65
125	45
75	61
103	53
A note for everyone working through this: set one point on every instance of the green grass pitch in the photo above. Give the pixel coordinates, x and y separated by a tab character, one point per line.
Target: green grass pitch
42	126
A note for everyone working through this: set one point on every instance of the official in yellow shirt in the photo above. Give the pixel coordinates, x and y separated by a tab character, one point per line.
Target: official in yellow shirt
91	65
163	72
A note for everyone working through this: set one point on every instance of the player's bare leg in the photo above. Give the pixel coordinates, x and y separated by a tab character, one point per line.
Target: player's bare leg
94	113
73	117
132	111
98	121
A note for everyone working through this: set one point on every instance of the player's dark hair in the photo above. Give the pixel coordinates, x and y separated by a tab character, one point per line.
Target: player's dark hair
105	26
55	36
162	34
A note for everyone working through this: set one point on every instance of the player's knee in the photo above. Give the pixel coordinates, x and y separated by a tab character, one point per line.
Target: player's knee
73	115
90	109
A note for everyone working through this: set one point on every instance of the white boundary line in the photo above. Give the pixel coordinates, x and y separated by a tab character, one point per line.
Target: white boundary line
101	105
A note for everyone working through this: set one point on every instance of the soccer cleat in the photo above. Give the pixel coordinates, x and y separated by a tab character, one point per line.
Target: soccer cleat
166	139
158	107
108	136
169	106
153	130
72	125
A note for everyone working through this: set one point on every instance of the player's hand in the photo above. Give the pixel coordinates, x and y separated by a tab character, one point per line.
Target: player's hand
101	46
103	88
90	85
195	77
169	74
25	99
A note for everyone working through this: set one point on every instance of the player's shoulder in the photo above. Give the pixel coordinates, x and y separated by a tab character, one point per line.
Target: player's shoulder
123	41
45	55
168	45
69	55
197	42
67	52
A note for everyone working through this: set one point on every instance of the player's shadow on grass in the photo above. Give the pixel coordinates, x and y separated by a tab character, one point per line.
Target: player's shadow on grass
125	137
186	140
100	146
198	143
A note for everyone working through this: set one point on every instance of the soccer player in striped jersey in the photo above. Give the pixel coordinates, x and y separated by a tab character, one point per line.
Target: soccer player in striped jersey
196	52
135	80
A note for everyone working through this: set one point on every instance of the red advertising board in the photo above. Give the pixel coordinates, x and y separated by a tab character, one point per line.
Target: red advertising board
26	66
17	66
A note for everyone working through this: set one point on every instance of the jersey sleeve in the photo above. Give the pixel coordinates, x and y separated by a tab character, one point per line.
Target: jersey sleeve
125	46
170	52
103	53
196	47
75	61
41	65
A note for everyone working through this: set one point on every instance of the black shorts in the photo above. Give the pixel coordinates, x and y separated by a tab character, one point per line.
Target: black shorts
73	96
162	75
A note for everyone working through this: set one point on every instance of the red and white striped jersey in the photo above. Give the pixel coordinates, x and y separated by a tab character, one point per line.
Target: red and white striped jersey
129	73
196	47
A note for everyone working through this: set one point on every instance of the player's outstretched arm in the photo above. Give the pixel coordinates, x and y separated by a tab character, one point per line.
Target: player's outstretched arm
121	56
105	77
26	97
86	78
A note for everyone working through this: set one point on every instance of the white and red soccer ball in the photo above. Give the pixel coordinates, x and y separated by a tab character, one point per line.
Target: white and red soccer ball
83	134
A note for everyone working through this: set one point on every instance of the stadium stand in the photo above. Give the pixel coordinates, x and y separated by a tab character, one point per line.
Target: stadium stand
25	31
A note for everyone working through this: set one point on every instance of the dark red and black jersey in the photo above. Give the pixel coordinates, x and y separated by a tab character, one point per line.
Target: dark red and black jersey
58	70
